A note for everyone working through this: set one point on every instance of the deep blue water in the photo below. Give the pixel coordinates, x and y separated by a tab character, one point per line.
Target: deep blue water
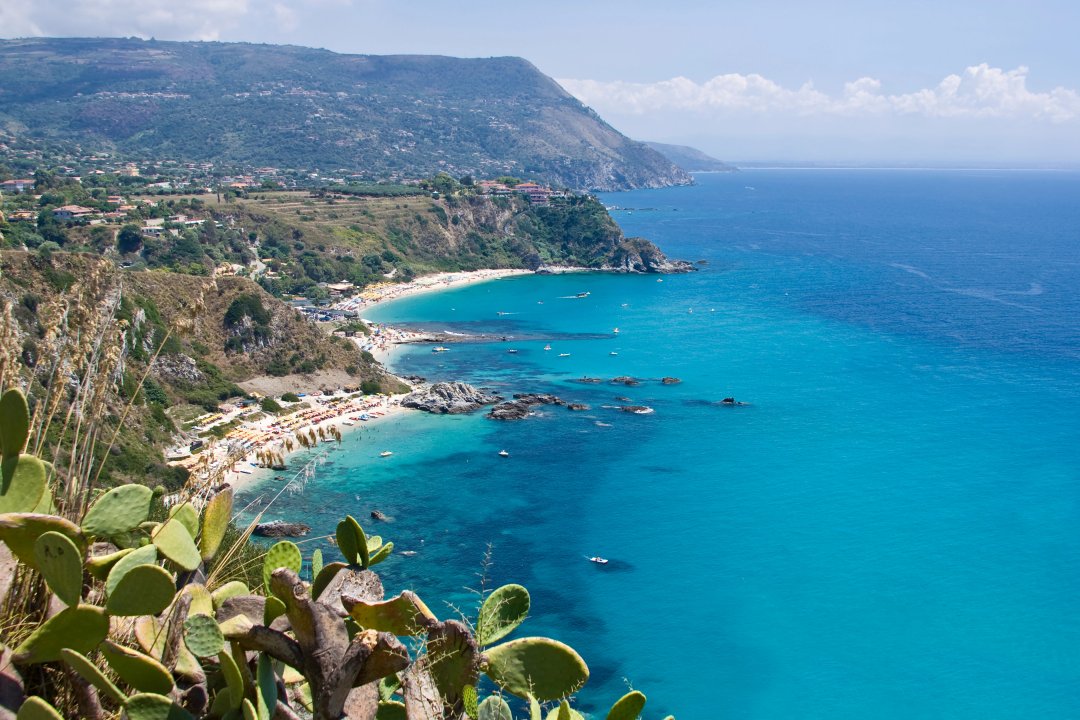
890	528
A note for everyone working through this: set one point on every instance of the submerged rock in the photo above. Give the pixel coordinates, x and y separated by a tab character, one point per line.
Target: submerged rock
670	380
281	528
637	409
448	398
625	380
577	406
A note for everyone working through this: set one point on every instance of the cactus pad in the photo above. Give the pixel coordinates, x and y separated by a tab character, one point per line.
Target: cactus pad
388	685
60	562
188	517
203	636
494	708
175	542
273	608
14	424
34	708
78	628
352	542
143	590
140	671
382	554
265	687
282	554
24	486
328	573
143	556
535	711
201	601
546	668
564	712
373	544
628	707
405	614
99	565
20	532
149	706
90	672
215	522
118	511
316	563
234	680
390	710
503	610
233	588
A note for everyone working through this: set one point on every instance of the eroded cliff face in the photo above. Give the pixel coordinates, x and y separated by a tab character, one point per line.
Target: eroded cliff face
579	233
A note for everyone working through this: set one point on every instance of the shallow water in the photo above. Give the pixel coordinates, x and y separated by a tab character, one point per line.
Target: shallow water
887	529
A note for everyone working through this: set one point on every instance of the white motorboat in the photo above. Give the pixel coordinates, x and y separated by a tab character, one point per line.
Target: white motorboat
598	560
503	453
385	453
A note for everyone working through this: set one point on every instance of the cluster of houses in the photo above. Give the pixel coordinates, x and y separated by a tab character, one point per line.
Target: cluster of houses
534	193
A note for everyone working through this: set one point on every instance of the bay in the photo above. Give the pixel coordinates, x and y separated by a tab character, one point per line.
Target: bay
888	527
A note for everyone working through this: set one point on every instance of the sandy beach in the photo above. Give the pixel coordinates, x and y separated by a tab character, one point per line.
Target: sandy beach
236	458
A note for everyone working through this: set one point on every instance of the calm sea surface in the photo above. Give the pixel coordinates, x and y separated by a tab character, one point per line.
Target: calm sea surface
890	528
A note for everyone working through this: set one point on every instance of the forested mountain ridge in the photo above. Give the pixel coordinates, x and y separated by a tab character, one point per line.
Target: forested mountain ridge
286	106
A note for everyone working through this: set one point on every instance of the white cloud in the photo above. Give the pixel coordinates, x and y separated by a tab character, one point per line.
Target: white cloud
164	19
980	91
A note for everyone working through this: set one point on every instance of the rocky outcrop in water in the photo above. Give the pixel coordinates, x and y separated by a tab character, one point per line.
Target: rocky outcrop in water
519	407
448	398
281	528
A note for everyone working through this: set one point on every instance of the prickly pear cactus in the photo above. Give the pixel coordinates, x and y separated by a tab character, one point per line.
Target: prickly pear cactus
146	555
382	554
140	671
118	511
143	590
282	554
60	563
14	424
215	522
34	708
24	486
188	516
150	706
316	563
564	712
468	701
203	636
503	610
175	542
78	628
405	614
20	532
545	668
353	542
92	674
628	707
494	708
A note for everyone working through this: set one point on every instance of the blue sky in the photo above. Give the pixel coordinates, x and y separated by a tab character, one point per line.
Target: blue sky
833	80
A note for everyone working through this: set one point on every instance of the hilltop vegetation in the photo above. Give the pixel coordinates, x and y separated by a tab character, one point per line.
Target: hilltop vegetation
295	243
263	105
202	336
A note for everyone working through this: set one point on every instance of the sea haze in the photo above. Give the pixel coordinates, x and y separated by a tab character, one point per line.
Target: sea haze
887	529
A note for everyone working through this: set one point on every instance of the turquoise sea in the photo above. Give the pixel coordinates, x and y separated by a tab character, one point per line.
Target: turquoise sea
890	528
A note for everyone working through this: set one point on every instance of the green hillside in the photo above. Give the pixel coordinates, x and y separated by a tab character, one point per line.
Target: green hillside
293	107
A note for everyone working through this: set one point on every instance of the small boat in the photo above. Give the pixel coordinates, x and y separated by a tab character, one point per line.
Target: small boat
564	354
548	346
503	453
616	331
613	353
408	553
348	422
439	348
582	295
598	560
385	453
512	351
